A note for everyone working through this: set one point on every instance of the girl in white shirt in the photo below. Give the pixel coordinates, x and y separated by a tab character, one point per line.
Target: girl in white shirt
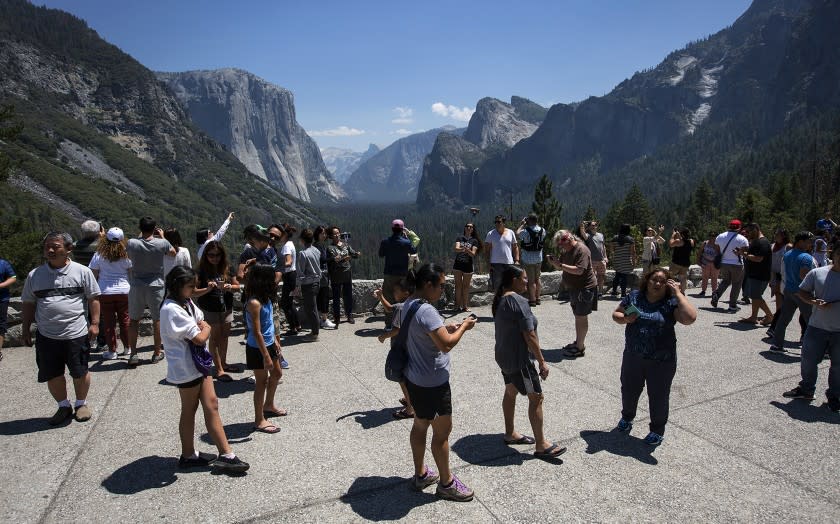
182	324
182	255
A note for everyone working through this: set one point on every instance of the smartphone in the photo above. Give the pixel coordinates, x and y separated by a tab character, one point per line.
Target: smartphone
631	310
473	316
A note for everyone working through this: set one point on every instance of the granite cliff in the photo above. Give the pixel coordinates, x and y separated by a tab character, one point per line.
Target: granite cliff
342	162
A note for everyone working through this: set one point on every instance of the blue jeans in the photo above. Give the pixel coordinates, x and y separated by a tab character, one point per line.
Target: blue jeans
814	346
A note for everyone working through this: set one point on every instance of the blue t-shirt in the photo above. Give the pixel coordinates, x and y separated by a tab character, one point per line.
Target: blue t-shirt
395	249
428	366
266	325
652	334
825	225
6	272
795	260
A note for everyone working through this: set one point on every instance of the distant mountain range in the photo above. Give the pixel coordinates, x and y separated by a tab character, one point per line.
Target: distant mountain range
342	162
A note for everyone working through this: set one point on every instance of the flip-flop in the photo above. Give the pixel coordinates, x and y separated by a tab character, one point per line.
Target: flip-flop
524	439
224	378
402	414
554	451
271	429
403	401
569	346
272	413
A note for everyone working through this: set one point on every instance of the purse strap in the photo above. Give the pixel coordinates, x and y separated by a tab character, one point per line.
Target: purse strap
727	244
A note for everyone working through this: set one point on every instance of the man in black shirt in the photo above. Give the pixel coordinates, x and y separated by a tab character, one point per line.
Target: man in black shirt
757	260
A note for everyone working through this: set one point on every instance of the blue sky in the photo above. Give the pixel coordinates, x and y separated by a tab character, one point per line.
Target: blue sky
372	71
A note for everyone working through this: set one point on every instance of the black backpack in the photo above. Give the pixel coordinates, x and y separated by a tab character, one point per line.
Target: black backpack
397	359
536	241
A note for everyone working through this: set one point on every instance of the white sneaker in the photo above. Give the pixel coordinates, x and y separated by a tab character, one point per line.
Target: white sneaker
326	324
251	380
109	355
125	352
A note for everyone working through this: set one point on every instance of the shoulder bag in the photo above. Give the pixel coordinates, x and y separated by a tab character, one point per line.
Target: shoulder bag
397	359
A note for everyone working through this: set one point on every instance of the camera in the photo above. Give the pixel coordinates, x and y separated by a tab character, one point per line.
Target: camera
345	236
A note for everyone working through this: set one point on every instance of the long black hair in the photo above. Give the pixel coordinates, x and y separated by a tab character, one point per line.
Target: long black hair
176	279
427	273
260	283
509	274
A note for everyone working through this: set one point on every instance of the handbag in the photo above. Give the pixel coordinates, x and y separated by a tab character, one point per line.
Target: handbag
654	254
201	357
719	257
397	359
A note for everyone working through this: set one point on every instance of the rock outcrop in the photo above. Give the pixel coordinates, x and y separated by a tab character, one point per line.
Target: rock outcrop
256	121
343	162
497	123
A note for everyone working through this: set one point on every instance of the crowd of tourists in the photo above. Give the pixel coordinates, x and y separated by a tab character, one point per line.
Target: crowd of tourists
110	280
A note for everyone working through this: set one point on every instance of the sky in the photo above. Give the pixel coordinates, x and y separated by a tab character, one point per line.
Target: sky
373	71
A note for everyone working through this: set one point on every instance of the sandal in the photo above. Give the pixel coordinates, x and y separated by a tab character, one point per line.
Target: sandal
402	414
403	401
157	358
766	321
271	429
574	352
524	439
268	413
554	451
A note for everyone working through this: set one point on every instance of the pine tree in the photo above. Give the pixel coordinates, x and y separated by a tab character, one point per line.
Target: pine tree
548	210
8	131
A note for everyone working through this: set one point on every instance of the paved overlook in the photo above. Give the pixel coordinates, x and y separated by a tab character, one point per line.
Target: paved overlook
735	450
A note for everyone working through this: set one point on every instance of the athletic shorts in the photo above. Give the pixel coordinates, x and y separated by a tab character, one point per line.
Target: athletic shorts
599	267
53	355
254	358
140	297
218	317
464	267
4	314
525	380
755	288
583	301
191	384
533	272
430	402
677	270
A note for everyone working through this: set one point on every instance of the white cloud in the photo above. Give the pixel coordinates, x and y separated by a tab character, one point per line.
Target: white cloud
462	114
338	131
403	115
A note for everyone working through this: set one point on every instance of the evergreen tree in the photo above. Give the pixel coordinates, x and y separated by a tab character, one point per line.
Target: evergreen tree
548	210
9	130
634	210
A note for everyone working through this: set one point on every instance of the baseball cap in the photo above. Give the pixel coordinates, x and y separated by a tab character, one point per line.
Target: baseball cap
734	223
115	234
398	223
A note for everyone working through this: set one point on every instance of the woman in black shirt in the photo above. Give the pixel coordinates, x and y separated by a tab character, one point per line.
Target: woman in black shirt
467	247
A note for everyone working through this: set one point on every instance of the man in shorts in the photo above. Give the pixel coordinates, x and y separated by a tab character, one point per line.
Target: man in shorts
595	242
147	284
54	296
531	237
580	280
7	278
757	259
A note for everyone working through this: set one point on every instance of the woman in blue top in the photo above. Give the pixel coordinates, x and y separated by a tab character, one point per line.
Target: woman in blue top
427	380
261	353
650	347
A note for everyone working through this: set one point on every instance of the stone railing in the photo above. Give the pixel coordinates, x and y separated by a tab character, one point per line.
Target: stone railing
364	303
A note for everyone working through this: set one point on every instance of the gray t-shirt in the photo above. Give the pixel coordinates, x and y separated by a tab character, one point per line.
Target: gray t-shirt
825	284
59	296
147	260
595	243
513	318
428	366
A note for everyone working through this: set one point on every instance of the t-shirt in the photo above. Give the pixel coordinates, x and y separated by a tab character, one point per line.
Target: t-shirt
681	255
59	296
502	250
177	325
530	257
266	256
652	334
147	256
595	243
310	266
622	259
737	241
462	256
826	225
759	270
428	366
513	318
6	272
794	260
579	256
214	300
709	253
825	284
113	275
287	249
395	250
820	251
181	258
266	325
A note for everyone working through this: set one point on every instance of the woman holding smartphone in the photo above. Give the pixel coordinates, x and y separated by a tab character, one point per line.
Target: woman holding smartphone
650	347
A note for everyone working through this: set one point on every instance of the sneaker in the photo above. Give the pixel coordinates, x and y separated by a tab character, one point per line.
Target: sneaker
309	338
798	392
63	413
157	358
654	439
714	299
456	491
230	465
745	301
421	483
777	349
251	380
82	413
109	355
770	333
284	364
125	352
624	425
326	324
202	460
733	309
833	404
134	359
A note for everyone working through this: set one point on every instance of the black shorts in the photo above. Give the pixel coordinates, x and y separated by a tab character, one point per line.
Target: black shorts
430	402
254	358
53	355
526	380
191	383
4	314
464	267
583	301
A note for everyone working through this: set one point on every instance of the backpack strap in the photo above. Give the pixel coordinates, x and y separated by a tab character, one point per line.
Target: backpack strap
402	336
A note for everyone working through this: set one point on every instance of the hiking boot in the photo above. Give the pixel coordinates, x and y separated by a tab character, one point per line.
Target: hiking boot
624	425
654	439
798	392
457	491
202	460
63	413
230	465
714	298
421	483
82	413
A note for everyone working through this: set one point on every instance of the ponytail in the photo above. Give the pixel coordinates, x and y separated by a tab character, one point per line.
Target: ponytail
509	274
427	273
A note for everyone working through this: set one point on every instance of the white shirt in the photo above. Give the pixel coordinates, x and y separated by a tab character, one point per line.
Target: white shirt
177	326
288	249
729	257
113	276
502	246
181	258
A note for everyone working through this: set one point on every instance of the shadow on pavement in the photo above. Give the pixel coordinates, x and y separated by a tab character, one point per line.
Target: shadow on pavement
781	358
739	326
806	412
142	474
369	332
366	499
228	389
237	432
29	425
488	449
371	419
107	365
555	355
620	444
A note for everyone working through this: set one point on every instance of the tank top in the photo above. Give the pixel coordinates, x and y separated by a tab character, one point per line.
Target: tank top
682	254
709	253
266	325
